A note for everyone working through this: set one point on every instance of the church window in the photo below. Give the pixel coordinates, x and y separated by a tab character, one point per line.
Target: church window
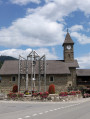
51	79
70	85
13	79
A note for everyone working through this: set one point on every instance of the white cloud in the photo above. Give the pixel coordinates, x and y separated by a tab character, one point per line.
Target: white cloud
72	5
76	28
33	30
82	38
24	53
84	61
24	2
40	27
56	10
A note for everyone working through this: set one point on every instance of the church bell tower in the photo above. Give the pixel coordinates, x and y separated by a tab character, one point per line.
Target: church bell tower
68	49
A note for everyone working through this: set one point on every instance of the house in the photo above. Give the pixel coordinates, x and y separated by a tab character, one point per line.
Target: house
62	73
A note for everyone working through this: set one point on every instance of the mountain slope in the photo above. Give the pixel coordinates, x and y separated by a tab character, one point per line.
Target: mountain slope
3	58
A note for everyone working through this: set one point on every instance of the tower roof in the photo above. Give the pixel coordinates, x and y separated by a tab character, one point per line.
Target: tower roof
68	39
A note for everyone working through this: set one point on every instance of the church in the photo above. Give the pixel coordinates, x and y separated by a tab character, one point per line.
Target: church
64	74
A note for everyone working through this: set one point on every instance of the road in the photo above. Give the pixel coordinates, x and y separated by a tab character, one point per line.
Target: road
45	110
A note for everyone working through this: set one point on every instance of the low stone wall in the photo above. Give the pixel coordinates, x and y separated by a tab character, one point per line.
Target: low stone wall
50	98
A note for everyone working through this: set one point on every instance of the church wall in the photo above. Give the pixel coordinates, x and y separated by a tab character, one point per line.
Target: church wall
72	77
60	82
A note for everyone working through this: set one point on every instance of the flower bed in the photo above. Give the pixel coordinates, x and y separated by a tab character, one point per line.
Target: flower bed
86	95
69	93
14	96
63	94
42	95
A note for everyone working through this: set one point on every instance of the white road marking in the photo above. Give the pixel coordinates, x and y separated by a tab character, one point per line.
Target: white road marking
55	109
41	113
50	110
27	116
34	114
46	111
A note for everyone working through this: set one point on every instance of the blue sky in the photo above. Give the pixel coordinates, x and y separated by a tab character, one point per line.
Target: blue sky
41	25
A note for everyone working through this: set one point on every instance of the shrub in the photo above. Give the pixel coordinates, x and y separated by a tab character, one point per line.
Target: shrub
26	92
51	89
73	93
20	95
35	94
44	95
63	94
40	93
14	95
78	92
15	89
9	95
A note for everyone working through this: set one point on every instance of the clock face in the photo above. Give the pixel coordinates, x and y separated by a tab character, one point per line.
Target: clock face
68	47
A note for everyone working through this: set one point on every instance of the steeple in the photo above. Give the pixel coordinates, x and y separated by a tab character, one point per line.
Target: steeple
68	39
68	50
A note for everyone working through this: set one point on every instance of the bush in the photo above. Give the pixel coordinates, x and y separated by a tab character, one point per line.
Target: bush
78	92
15	89
14	95
51	89
20	95
44	95
63	94
73	93
9	95
26	92
35	94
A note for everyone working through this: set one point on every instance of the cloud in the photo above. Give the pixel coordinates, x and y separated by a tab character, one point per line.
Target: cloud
82	38
40	27
33	30
84	61
24	53
56	10
24	2
76	28
73	5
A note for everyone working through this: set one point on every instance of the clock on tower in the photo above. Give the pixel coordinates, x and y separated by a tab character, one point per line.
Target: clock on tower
68	49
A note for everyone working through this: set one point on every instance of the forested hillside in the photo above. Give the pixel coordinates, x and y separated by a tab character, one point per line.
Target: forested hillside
3	58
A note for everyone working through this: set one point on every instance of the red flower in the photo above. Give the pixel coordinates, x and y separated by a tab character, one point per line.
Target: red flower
63	94
34	94
73	92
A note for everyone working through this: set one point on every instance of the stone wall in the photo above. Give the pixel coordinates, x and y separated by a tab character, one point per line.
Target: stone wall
72	78
7	81
60	82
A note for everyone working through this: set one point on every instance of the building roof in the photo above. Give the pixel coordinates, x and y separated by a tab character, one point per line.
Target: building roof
73	64
53	67
68	39
83	72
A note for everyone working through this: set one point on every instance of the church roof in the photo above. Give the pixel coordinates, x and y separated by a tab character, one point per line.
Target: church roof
68	39
83	72
10	67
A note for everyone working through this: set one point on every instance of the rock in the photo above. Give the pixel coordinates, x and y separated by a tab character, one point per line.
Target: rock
2	96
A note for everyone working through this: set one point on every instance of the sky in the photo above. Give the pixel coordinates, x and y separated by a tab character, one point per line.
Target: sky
41	25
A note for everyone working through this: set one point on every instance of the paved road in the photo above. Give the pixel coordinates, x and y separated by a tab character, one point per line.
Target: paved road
46	110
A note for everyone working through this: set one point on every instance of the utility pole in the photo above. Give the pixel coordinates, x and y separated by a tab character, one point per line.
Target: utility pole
27	74
19	74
